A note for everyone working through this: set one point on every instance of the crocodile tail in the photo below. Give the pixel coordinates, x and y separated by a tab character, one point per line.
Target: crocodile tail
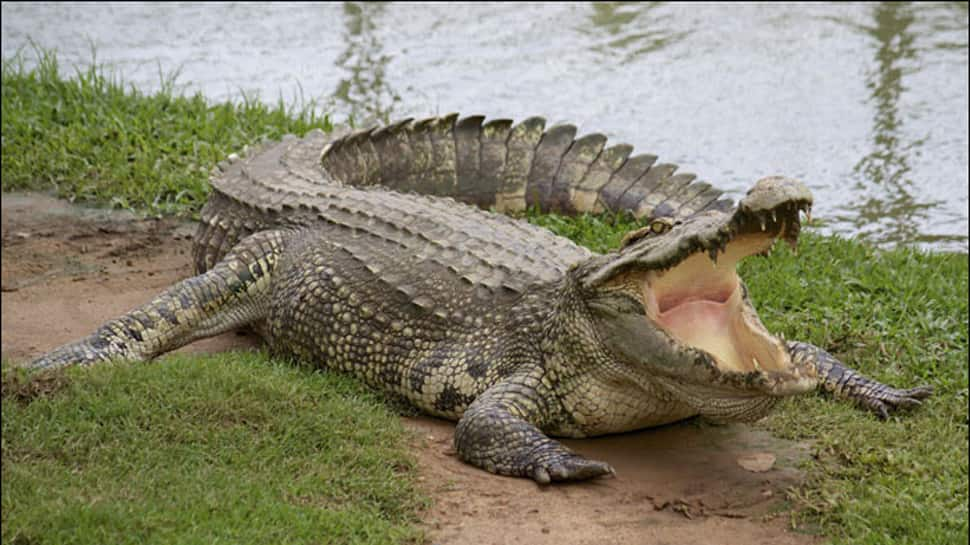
510	167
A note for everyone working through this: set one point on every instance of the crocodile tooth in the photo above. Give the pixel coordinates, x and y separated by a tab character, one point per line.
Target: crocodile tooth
774	217
713	254
763	226
808	215
792	243
757	364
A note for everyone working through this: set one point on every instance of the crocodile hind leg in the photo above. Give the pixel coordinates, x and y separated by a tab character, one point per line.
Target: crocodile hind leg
496	434
844	382
232	294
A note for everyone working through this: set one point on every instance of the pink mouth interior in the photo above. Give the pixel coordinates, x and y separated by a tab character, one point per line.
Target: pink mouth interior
674	302
699	304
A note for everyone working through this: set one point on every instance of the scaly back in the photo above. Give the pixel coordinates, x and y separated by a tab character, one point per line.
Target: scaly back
401	182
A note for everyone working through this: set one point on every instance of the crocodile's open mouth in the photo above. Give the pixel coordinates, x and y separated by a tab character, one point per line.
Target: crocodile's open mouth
700	301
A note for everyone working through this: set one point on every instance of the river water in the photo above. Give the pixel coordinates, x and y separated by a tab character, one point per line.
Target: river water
867	103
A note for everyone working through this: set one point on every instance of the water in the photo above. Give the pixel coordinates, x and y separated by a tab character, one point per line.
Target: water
867	103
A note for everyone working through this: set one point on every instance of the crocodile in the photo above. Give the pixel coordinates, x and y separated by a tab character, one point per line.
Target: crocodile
383	253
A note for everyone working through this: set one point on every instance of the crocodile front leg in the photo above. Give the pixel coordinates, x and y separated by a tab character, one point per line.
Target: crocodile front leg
230	295
844	382
497	434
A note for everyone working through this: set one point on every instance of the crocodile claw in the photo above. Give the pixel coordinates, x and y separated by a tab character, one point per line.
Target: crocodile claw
571	468
891	400
87	351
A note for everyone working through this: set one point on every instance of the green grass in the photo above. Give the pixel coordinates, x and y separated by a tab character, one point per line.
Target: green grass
900	317
90	138
189	450
230	448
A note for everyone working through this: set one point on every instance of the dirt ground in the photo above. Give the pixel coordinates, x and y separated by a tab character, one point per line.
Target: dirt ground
66	269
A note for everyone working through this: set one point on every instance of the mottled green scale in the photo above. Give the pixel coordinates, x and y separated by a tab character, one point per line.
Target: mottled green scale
330	308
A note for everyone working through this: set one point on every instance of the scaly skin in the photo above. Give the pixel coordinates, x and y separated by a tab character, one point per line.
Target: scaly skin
510	330
845	383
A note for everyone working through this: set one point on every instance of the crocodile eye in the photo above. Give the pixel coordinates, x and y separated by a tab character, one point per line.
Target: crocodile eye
634	236
659	226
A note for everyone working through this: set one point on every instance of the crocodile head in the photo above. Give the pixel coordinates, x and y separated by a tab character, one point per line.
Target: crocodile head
670	303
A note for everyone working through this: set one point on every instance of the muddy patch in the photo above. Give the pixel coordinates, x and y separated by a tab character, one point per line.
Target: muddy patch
24	389
679	484
66	269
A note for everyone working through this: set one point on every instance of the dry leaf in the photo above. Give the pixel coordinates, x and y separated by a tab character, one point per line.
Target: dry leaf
758	462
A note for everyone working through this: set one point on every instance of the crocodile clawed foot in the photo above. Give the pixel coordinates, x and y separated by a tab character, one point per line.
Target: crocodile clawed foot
84	352
890	400
571	467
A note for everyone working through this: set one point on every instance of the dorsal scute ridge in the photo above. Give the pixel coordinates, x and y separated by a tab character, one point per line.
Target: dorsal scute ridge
497	164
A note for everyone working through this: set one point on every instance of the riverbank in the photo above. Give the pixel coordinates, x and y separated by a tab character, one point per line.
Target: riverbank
899	316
